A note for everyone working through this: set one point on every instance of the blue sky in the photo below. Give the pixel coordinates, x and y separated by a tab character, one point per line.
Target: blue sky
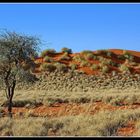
76	26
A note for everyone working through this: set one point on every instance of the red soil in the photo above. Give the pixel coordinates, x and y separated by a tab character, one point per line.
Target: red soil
127	130
64	109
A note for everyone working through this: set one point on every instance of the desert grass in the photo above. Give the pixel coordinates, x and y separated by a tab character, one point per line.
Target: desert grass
137	126
104	123
38	97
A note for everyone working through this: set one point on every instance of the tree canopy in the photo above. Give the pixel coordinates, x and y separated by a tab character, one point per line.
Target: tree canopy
16	61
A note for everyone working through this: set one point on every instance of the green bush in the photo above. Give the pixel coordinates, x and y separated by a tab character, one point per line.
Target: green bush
65	49
100	58
47	59
61	67
48	67
65	57
85	64
78	58
124	68
47	52
105	69
109	54
112	63
86	52
126	55
121	57
90	56
73	66
129	57
107	61
94	67
101	52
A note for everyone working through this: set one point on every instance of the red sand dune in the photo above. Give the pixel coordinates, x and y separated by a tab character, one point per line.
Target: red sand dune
87	70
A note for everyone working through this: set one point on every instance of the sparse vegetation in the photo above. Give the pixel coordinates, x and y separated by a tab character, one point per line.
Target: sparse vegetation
101	52
67	101
90	56
124	68
85	64
47	59
126	55
94	67
47	52
105	69
67	50
61	67
86	52
78	58
48	67
73	66
65	56
109	54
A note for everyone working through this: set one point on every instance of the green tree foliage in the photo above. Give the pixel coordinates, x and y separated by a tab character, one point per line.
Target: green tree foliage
16	52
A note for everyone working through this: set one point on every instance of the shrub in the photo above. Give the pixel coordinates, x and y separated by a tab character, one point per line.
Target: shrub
104	52
85	64
90	56
100	58
47	52
124	68
109	54
64	49
112	63
101	65
61	67
122	57
78	58
114	73
133	63
106	61
94	67
126	55
125	52
129	57
86	52
47	59
65	57
48	67
73	66
105	69
101	52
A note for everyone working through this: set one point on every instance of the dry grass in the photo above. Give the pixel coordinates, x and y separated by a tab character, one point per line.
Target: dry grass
34	98
22	127
137	133
104	123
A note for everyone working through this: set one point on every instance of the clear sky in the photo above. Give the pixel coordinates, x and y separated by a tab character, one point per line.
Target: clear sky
76	26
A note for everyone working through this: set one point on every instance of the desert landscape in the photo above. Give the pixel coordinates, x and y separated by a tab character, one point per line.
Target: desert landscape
90	93
70	69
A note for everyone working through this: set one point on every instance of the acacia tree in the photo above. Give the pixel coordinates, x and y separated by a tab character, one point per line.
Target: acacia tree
16	53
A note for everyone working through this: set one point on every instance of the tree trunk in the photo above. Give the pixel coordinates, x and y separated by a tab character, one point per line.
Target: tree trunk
10	104
10	108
